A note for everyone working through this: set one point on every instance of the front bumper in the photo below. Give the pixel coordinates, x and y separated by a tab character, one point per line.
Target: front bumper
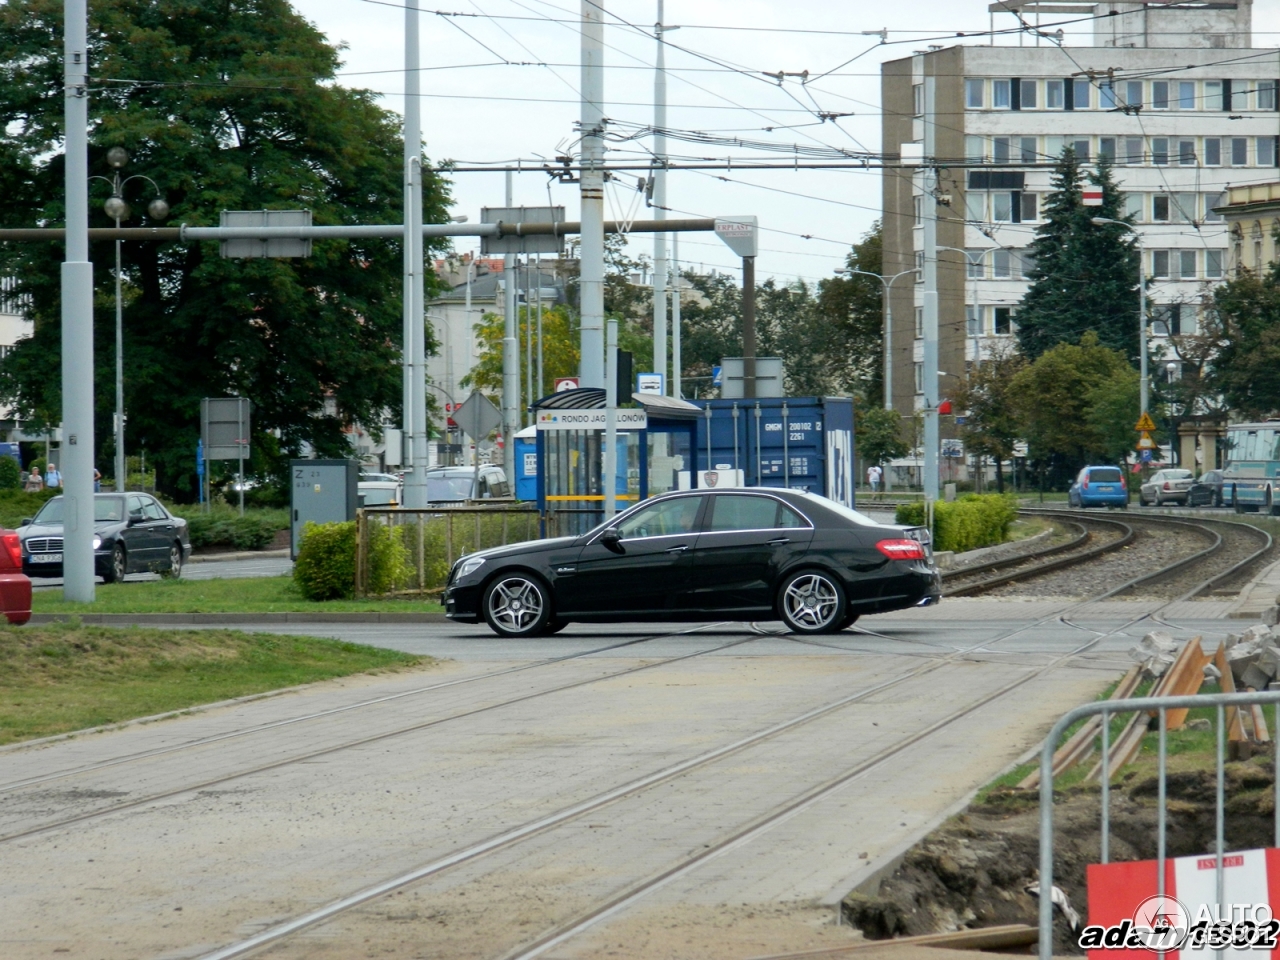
462	602
101	563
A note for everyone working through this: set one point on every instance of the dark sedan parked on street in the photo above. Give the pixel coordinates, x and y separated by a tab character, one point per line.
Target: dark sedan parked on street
1207	491
746	554
133	533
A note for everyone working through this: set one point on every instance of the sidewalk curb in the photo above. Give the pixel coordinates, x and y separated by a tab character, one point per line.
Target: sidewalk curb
241	555
233	619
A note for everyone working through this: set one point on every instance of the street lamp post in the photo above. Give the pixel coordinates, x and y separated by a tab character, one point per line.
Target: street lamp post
1144	383
887	284
1171	368
117	209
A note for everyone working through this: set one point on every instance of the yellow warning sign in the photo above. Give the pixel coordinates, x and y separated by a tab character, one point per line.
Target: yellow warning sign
1145	442
1145	424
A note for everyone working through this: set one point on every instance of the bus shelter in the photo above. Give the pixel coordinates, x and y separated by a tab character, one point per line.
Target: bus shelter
656	445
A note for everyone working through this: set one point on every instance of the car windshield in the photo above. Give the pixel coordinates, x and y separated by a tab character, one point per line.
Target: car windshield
448	488
1104	475
378	497
105	510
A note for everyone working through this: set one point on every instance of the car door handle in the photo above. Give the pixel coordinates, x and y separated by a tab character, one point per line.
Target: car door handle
779	541
680	549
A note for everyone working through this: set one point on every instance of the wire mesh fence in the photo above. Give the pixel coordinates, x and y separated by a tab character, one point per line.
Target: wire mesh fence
407	552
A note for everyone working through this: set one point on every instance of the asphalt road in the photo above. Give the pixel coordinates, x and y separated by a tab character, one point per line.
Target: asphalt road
207	570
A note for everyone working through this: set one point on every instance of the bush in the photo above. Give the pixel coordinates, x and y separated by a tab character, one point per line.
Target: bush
224	527
973	521
10	474
326	564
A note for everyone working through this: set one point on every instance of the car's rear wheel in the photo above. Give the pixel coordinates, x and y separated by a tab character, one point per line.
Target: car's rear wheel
117	567
811	602
518	605
175	561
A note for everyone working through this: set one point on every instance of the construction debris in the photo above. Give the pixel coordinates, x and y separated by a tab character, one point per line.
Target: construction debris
1155	653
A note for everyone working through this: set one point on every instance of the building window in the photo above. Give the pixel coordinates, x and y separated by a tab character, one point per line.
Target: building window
1187	153
1053	147
1024	262
1001	266
919	266
1167	320
1160	264
1212	152
975	93
1160	207
1081	99
1212	200
1266	147
1107	95
1133	150
1212	95
1159	150
1002	207
1133	206
1213	264
972	321
1267	95
1053	94
1107	148
1160	95
1028	150
1184	207
975	206
1028	90
1030	211
1186	95
1000	94
1002	321
917	99
919	378
919	204
975	148
1000	149
1187	265
1257	256
1133	93
976	265
1239	151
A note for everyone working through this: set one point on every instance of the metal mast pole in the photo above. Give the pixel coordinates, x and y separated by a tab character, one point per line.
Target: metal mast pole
930	298
414	390
510	359
591	283
121	469
749	327
1145	381
77	319
888	348
660	206
538	285
676	389
609	482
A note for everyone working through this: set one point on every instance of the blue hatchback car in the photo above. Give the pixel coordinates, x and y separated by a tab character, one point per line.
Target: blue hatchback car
1099	487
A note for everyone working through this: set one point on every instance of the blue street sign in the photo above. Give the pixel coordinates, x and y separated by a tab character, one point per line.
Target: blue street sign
1146	456
715	376
200	458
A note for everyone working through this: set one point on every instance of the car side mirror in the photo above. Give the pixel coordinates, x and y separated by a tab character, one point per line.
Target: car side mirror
26	521
134	518
612	539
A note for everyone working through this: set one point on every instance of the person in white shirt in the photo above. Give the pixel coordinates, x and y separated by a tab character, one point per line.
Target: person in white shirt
874	473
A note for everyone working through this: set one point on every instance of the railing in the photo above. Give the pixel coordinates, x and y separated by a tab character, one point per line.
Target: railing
408	552
1224	702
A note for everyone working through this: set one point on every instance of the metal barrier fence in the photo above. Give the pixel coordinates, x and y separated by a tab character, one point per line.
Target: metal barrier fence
1161	705
407	552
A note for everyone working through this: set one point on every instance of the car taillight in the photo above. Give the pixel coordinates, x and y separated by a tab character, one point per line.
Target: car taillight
1166	485
13	546
1084	484
901	549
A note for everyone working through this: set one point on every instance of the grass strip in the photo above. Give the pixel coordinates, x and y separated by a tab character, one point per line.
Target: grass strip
67	676
248	595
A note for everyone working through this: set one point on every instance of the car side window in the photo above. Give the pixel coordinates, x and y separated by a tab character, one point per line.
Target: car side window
153	511
738	512
788	519
135	508
665	519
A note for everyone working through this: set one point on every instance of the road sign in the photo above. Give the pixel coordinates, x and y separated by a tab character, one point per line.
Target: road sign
650	383
1091	197
590	420
224	428
566	383
477	416
1145	424
1145	442
739	234
278	247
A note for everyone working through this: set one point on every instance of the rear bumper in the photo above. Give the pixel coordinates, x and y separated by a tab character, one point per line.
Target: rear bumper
1104	499
15	597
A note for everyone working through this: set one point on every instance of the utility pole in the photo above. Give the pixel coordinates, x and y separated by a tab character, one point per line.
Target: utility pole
77	319
676	388
749	328
609	470
510	360
591	277
415	384
930	297
660	206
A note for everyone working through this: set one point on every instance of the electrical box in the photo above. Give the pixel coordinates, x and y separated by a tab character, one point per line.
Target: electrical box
321	491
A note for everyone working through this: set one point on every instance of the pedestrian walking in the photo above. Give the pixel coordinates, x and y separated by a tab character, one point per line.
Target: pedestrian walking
52	478
874	474
97	480
34	482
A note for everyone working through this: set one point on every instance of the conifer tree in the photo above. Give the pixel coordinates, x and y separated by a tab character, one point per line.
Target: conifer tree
1084	275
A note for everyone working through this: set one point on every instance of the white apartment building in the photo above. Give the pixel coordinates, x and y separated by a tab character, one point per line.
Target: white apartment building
1173	93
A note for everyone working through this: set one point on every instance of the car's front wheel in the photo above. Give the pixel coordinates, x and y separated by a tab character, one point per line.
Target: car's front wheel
117	567
175	561
811	602
518	605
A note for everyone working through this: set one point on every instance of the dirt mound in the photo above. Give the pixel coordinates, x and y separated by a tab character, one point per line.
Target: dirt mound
974	870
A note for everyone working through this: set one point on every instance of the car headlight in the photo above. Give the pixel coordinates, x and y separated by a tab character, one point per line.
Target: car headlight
97	542
470	566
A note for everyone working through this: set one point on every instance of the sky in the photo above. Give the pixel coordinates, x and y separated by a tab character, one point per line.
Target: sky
501	83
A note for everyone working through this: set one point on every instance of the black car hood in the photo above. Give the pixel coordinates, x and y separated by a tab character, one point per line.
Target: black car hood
517	549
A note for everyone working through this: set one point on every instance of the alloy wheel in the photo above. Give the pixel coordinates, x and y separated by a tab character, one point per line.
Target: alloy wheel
811	601
515	604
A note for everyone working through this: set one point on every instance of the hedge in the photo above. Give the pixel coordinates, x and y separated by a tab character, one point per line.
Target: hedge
224	527
973	521
326	564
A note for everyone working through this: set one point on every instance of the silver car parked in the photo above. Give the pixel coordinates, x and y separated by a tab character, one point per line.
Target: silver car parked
1166	486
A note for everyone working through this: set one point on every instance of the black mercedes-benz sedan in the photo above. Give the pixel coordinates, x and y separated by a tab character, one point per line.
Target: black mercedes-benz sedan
743	554
133	533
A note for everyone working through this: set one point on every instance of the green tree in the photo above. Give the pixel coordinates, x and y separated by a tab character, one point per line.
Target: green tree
852	308
1056	395
559	350
224	106
993	421
1245	312
1112	408
1084	276
879	434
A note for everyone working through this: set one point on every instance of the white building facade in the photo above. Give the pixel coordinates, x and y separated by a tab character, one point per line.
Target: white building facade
1174	96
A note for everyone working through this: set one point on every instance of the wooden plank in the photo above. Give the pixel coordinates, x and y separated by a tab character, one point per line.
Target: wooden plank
1184	679
1235	729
